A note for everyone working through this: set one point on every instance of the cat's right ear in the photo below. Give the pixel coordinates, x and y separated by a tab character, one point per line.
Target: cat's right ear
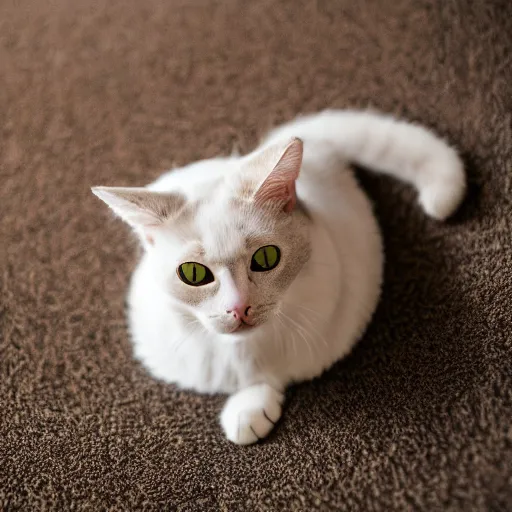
145	210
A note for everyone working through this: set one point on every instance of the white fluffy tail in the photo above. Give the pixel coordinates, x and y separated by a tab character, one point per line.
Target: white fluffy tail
408	152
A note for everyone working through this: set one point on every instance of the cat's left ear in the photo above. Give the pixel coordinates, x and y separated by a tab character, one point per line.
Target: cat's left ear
143	209
279	186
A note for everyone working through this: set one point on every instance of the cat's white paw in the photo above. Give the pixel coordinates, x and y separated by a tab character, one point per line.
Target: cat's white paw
445	187
251	414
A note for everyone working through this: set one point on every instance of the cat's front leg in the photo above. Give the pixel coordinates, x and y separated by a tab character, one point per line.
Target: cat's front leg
250	414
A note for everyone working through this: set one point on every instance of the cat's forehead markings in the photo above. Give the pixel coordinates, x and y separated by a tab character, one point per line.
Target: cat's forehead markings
197	250
228	227
224	246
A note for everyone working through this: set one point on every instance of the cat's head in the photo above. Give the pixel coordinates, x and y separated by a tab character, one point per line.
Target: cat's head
228	254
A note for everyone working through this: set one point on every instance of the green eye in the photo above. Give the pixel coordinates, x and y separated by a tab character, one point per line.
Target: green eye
265	258
195	274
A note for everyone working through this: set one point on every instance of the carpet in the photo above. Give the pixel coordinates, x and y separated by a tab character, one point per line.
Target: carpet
111	92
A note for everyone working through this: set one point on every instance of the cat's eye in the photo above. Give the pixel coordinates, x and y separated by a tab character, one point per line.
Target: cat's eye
265	258
195	274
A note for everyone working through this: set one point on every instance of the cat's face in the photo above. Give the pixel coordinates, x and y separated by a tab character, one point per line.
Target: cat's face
229	257
231	264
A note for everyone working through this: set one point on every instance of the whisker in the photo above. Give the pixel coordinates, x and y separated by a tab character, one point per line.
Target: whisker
279	340
322	338
300	331
186	338
302	307
281	321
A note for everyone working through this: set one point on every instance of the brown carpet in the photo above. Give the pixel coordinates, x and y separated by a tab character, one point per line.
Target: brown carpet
114	92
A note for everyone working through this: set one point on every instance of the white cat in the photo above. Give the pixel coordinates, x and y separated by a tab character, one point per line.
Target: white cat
264	270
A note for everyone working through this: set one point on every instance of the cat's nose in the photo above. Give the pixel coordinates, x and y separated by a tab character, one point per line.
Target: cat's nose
240	311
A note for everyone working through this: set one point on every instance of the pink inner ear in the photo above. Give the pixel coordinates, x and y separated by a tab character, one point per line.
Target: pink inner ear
280	183
275	189
290	205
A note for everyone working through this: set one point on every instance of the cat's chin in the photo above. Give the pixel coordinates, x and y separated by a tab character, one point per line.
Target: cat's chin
239	334
240	329
243	327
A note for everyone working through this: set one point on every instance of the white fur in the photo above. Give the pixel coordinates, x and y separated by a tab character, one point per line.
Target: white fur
251	413
328	306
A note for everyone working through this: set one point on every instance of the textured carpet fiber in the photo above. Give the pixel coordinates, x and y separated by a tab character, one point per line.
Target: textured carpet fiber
114	92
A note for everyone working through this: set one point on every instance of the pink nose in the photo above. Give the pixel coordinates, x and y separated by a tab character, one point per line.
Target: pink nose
240	311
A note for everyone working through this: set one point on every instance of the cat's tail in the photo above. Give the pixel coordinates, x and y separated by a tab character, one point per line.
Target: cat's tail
406	151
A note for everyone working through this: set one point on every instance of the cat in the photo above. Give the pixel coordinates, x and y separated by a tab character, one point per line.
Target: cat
263	270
